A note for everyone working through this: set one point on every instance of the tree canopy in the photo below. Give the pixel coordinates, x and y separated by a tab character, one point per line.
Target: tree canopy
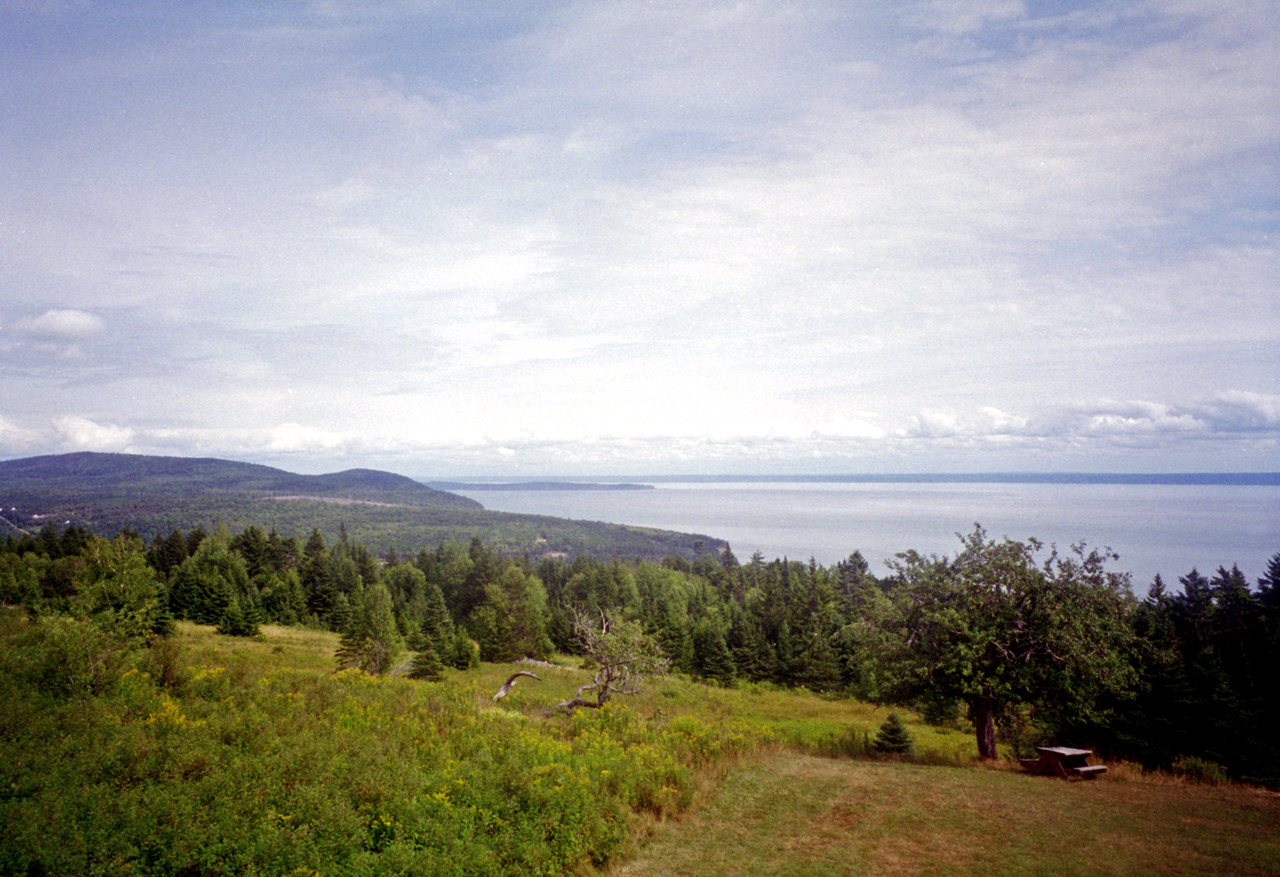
994	629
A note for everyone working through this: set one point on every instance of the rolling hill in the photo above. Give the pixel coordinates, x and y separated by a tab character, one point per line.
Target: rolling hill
107	493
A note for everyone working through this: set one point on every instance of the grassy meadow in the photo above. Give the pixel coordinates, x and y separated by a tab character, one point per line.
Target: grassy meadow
870	818
209	755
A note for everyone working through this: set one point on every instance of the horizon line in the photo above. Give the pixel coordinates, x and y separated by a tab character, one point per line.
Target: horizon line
1259	478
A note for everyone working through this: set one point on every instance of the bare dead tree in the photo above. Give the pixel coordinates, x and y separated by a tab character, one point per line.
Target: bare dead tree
622	655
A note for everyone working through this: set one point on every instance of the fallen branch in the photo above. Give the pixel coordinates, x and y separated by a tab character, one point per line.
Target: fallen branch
511	681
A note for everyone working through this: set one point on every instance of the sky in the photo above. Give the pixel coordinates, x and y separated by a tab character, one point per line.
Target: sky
534	238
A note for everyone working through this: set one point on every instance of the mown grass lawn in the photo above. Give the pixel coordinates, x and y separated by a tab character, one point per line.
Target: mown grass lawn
794	814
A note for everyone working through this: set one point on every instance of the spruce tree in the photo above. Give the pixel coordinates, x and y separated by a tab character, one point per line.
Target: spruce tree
712	659
370	641
232	621
463	653
426	663
818	665
893	737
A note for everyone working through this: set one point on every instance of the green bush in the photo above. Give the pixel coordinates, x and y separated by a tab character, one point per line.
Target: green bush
71	657
253	767
1200	770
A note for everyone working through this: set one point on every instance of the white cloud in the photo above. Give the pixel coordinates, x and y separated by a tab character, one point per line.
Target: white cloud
377	99
1238	411
82	433
721	228
63	324
16	439
962	17
295	438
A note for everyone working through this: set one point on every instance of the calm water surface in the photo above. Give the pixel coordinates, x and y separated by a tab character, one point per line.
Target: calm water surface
1155	528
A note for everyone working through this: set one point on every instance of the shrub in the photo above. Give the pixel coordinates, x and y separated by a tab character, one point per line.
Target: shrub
893	737
1200	770
74	657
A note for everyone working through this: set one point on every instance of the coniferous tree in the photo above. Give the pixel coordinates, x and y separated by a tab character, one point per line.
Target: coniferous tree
426	663
818	668
252	547
214	596
167	554
786	651
712	659
752	655
370	642
436	642
437	625
236	621
281	597
1269	584
511	621
204	585
317	582
893	737
464	653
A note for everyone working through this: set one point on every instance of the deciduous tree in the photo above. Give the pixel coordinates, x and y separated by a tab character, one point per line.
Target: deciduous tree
995	629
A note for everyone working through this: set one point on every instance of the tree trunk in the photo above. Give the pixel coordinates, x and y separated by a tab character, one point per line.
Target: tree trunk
985	725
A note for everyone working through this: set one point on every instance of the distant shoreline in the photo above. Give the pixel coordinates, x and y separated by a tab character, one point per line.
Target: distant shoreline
647	482
534	485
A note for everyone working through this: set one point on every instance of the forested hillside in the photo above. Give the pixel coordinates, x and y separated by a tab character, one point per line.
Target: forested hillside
1018	644
109	493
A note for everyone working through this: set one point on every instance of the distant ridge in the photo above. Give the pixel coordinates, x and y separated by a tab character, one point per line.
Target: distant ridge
132	474
537	485
109	493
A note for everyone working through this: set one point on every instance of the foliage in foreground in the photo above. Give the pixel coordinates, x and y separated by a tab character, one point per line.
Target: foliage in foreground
260	765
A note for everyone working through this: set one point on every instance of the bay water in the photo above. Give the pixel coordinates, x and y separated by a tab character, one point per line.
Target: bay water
1155	528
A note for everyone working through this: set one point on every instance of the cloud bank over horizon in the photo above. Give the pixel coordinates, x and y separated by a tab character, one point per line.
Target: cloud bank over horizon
616	237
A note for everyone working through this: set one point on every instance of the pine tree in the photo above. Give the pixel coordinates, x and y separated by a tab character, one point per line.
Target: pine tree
232	621
818	666
252	611
464	653
426	663
712	659
370	641
893	737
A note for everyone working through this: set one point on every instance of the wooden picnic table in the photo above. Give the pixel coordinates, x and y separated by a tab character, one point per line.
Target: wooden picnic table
1064	762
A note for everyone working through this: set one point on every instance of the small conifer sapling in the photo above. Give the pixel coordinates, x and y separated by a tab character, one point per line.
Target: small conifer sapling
893	737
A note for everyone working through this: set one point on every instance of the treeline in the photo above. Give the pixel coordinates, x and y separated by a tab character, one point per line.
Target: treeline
1028	648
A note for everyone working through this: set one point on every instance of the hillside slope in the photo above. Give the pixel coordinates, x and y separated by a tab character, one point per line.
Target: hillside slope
125	475
106	493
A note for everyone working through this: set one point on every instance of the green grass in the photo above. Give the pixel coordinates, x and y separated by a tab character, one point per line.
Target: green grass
795	718
868	818
211	755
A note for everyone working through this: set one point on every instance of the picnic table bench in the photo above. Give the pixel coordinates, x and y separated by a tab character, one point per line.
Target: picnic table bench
1064	762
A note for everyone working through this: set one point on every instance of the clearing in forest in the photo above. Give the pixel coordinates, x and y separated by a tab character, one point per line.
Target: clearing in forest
802	815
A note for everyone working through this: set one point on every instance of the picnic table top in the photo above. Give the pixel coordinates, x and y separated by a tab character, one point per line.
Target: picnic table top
1064	751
